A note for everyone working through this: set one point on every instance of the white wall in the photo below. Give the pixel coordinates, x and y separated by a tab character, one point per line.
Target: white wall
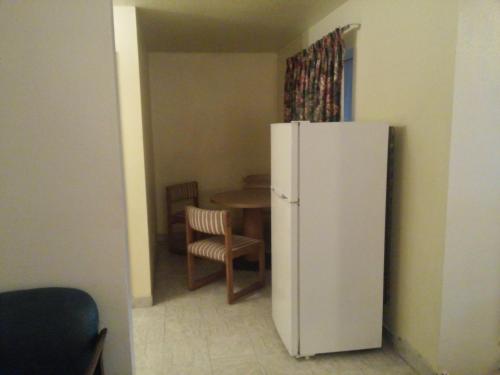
129	85
210	118
148	143
62	201
404	60
470	323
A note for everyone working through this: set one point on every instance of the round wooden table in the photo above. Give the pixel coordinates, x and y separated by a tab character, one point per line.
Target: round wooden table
252	201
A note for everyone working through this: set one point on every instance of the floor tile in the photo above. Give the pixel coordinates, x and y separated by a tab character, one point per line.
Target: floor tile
266	341
198	333
284	364
229	345
186	351
237	365
148	334
139	370
187	369
338	363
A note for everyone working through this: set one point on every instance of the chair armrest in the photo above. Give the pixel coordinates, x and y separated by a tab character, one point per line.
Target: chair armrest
97	355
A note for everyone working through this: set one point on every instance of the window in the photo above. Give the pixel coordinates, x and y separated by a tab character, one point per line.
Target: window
348	83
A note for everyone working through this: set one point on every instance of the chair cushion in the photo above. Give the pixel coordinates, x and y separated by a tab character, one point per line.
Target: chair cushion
214	248
47	331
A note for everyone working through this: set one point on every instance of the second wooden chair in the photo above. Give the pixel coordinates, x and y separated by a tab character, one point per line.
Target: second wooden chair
179	195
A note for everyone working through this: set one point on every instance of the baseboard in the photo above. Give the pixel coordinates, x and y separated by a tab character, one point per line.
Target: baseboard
142	302
409	354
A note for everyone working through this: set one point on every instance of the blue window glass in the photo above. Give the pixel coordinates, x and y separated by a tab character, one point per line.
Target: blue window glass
348	83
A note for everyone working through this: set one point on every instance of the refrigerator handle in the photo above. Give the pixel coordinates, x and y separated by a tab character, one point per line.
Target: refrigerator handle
282	196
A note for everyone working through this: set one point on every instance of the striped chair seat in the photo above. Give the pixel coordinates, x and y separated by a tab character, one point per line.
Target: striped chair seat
214	248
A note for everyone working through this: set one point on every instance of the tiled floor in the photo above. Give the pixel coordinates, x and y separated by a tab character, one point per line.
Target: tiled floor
199	333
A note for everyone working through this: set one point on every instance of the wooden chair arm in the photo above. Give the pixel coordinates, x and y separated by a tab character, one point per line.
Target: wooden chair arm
97	355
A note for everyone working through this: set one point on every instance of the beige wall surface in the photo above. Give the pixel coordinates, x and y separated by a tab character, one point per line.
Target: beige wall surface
404	63
148	144
470	328
210	116
129	85
62	202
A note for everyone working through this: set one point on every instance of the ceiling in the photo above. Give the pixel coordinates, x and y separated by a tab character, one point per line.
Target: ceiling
226	25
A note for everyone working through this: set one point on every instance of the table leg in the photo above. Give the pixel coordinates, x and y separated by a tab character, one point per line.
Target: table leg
252	227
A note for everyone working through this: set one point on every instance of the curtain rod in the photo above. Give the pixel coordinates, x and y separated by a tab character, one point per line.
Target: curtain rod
345	28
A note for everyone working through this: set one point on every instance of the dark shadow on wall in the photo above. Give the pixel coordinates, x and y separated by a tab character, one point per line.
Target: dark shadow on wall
393	223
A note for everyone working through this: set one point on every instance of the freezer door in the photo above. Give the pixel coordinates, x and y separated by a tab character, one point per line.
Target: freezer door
342	219
284	160
284	271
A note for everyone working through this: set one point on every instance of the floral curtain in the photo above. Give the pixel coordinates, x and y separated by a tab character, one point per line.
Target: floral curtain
314	80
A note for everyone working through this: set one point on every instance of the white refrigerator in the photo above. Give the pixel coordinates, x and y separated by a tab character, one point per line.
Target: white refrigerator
328	184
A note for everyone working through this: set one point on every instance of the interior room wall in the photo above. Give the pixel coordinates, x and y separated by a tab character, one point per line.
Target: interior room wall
62	201
129	89
147	131
210	118
470	324
404	63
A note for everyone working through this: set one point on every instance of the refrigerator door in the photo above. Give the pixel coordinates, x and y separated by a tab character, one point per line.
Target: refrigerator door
343	169
284	283
284	160
284	226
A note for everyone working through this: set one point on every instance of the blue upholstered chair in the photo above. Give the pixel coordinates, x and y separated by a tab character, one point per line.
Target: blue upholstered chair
49	331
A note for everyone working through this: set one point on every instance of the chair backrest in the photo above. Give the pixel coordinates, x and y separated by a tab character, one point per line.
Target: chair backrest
47	331
208	221
182	192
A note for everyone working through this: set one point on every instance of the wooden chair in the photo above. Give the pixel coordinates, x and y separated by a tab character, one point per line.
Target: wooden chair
254	181
222	247
186	193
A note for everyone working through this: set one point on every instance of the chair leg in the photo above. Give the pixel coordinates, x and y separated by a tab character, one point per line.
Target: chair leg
191	270
229	281
193	283
170	238
231	295
262	265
